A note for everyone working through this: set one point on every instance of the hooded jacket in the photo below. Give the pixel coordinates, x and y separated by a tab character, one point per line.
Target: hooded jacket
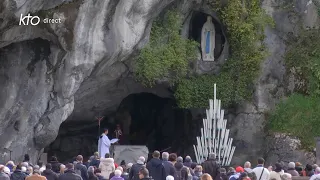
50	175
156	169
107	167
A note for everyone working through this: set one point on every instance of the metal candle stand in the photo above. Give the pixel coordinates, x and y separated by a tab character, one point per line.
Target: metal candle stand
214	135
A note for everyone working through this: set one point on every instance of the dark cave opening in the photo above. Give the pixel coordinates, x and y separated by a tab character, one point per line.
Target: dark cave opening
145	118
197	21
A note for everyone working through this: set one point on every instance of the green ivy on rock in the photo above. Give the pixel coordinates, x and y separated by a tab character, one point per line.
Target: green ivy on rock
167	55
245	24
297	116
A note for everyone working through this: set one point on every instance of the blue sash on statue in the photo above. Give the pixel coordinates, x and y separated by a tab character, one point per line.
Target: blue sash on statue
208	43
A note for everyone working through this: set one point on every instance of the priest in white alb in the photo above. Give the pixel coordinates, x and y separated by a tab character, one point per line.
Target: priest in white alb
104	144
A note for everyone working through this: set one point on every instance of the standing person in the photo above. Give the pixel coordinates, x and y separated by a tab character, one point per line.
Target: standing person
117	175
292	170
18	174
168	166
118	133
156	168
49	174
261	172
70	174
55	164
107	166
144	174
104	144
316	174
277	173
3	175
173	158
96	160
82	168
248	170
134	172
36	176
187	161
211	166
309	170
62	168
91	174
27	159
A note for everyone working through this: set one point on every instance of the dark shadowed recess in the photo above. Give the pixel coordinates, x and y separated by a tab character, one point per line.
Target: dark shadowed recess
146	119
197	21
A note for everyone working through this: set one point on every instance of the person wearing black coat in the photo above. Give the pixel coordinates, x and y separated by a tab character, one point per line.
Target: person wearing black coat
211	166
82	168
18	174
95	161
70	174
55	164
49	174
156	168
168	166
134	171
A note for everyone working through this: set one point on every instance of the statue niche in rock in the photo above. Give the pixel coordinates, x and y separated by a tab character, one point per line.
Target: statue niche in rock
208	40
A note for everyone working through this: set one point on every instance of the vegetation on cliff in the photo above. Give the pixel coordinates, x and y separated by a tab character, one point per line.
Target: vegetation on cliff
245	32
167	55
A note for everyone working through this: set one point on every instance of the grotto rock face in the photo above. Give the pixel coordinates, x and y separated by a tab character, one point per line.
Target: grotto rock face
39	81
248	127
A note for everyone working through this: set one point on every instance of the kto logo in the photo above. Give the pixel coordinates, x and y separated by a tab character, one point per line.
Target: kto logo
33	20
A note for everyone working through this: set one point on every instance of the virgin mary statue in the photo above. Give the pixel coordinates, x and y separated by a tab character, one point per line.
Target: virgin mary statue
208	40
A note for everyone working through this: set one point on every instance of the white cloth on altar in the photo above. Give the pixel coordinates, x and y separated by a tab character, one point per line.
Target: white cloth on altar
104	144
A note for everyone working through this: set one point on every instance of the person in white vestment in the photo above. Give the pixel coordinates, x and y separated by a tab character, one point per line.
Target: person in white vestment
104	144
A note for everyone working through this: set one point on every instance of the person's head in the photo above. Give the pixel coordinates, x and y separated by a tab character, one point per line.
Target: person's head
308	167
129	165
205	176
291	165
19	166
212	156
105	131
169	177
165	156
180	159
69	166
247	164
40	163
23	169
141	160
317	170
36	172
198	168
118	126
239	169
223	170
143	173
231	170
286	176
48	166
25	164
156	154
36	167
117	173
314	166
96	154
187	159
29	169
243	176
26	157
62	168
278	167
120	169
173	157
123	163
91	169
10	162
260	161
193	165
79	158
107	155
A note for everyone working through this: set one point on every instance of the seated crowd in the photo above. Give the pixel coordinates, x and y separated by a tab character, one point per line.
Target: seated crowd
168	167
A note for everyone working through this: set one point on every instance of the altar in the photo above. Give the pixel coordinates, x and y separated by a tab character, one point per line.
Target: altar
128	153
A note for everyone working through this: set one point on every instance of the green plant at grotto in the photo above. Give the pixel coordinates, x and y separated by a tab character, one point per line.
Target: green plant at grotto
297	116
245	22
167	54
303	58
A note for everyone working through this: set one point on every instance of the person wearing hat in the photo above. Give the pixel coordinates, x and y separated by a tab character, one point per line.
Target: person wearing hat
236	176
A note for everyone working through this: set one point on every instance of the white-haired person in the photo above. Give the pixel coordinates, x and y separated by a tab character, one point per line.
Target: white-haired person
169	177
292	169
117	175
316	174
286	176
134	172
3	175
